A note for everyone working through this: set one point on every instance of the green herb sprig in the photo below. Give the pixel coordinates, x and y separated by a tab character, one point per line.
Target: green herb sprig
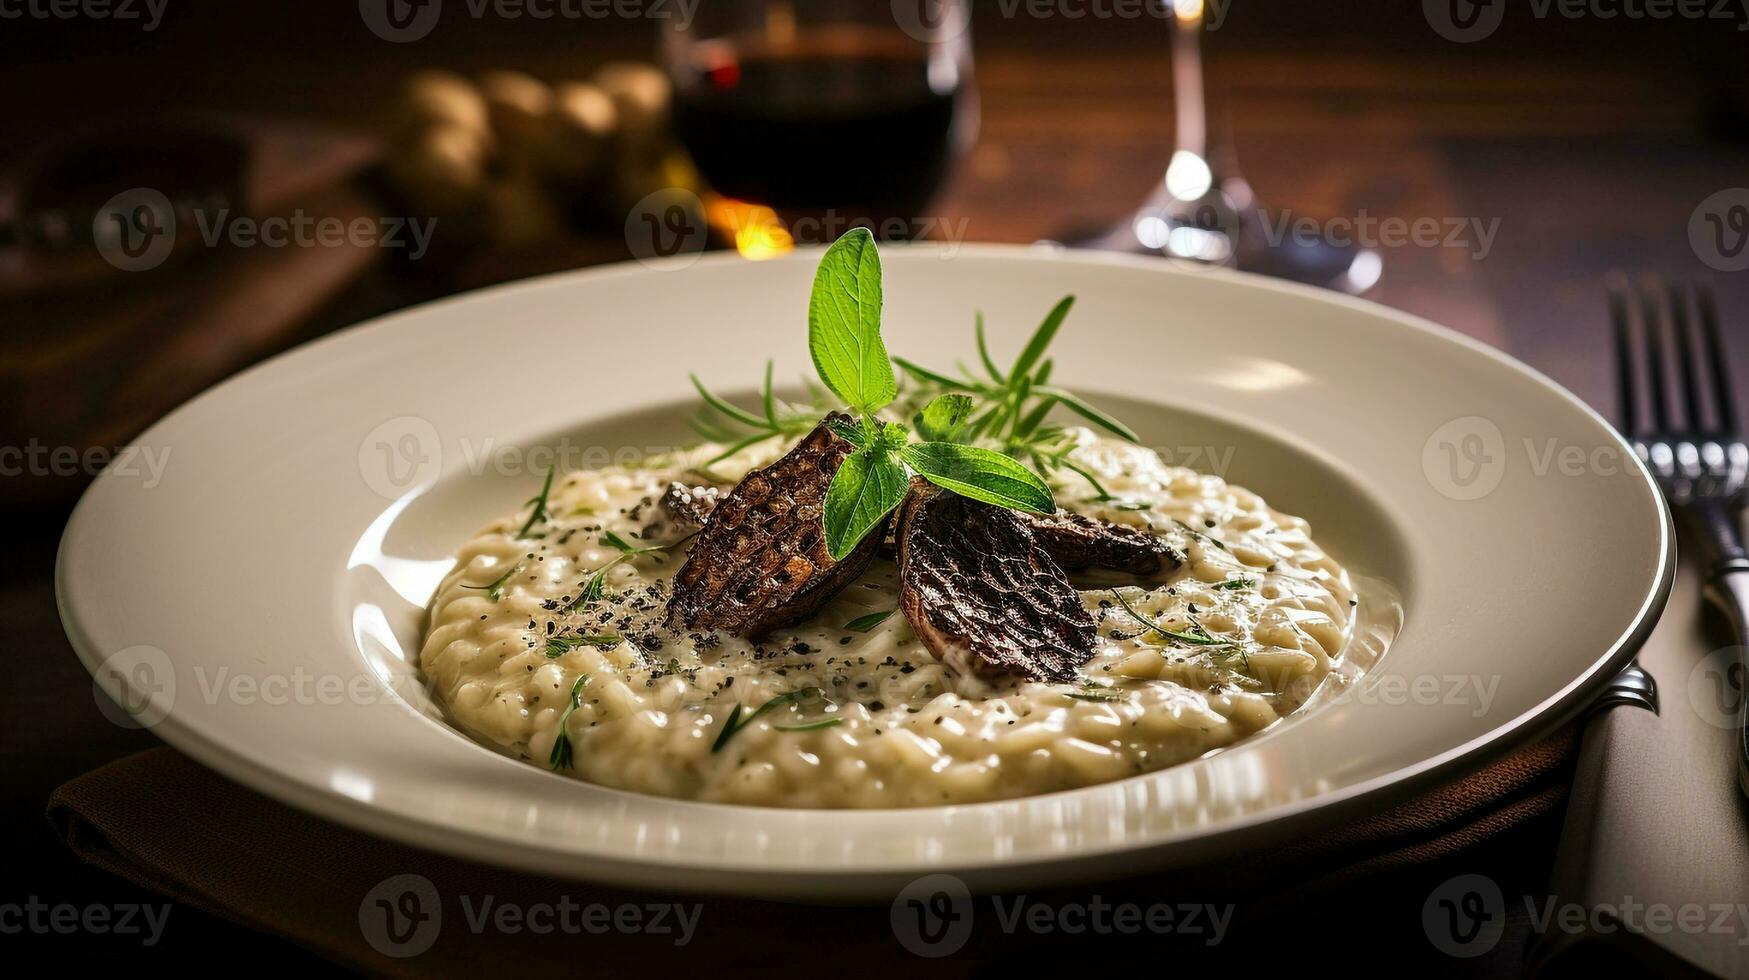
1011	407
721	421
560	757
862	624
844	339
539	513
1196	636
496	588
977	433
740	717
558	646
1099	693
596	585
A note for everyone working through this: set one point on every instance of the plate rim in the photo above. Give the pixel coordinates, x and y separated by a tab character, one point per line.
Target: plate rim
726	876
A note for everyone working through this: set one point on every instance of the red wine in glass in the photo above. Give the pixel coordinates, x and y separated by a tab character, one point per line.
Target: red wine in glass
829	128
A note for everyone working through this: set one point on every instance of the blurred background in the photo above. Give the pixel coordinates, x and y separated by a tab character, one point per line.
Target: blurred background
189	186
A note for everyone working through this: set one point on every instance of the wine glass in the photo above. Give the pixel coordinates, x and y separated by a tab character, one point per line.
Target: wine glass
1203	211
809	117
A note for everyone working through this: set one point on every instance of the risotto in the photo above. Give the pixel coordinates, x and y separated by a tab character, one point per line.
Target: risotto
852	709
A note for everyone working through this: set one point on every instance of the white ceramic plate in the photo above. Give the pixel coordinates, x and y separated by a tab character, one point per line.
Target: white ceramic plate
262	603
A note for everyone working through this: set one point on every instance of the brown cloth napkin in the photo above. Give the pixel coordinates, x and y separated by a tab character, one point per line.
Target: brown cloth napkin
169	824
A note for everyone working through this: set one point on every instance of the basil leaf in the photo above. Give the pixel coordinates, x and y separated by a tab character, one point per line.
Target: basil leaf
866	488
1074	404
980	474
850	429
844	324
941	418
1041	338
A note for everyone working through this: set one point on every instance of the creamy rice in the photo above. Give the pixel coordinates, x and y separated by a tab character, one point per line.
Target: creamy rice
907	732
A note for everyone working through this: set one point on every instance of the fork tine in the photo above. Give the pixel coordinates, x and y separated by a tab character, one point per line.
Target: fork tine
1685	358
1626	407
1653	321
1724	398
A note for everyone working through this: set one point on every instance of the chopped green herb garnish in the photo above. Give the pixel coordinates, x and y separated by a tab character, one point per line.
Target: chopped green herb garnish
740	717
862	624
811	726
1193	532
561	754
625	547
558	646
1093	692
539	513
1235	584
496	588
595	587
1195	636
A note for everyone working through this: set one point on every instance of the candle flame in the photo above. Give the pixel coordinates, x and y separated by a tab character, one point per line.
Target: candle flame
755	229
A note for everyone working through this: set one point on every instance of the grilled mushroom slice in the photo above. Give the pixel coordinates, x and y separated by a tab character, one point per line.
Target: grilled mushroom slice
984	594
1078	543
761	561
688	507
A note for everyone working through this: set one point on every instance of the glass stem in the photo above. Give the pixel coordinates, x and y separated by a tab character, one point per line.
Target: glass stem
1189	102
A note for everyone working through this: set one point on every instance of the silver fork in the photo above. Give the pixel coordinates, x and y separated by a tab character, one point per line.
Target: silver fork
1678	409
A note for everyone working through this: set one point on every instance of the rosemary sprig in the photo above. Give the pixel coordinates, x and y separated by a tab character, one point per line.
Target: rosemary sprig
740	717
539	513
561	754
1012	405
722	421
